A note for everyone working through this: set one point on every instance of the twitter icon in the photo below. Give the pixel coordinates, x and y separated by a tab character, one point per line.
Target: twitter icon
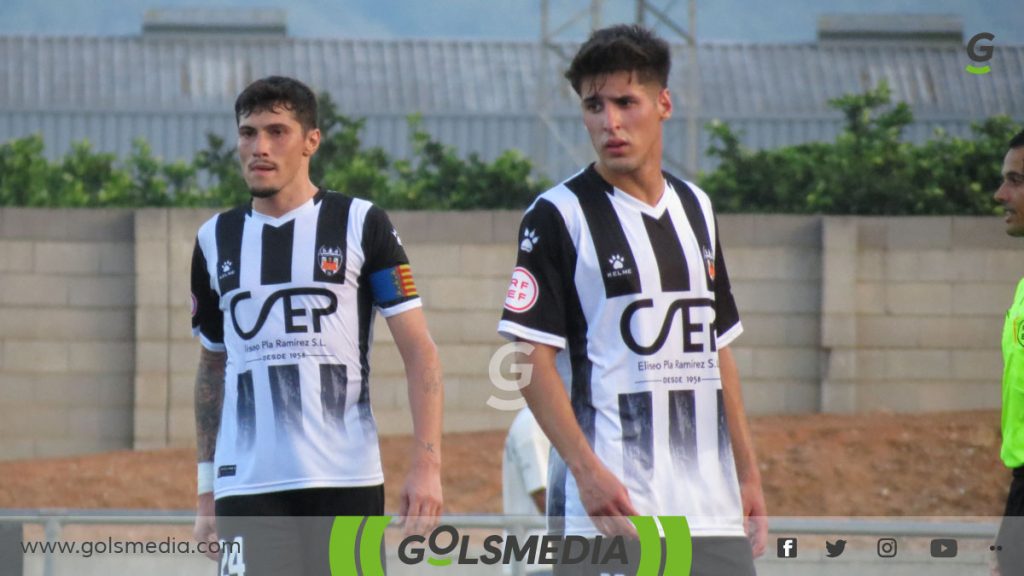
836	549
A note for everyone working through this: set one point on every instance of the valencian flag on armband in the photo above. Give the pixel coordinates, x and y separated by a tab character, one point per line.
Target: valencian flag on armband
393	284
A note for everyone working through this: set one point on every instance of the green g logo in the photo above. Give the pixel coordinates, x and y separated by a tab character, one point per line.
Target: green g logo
980	54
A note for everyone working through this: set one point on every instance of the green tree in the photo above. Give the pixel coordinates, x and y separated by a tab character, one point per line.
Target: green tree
868	169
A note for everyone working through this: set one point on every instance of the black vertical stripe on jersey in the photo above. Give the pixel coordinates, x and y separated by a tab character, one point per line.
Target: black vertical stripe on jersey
580	386
558	476
618	266
229	248
668	253
206	313
331	233
364	308
682	427
636	415
333	389
277	253
725	457
699	225
286	394
245	409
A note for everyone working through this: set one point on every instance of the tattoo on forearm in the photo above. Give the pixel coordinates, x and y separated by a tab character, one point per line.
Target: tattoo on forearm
209	400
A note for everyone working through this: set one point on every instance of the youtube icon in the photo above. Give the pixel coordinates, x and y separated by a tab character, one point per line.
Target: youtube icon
944	548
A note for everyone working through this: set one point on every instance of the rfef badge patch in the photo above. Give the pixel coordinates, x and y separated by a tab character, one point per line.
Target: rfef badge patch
522	291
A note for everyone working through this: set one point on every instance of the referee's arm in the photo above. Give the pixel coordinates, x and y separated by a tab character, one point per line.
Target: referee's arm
209	399
754	509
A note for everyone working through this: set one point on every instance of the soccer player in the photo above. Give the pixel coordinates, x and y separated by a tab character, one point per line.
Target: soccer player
284	293
622	290
1011	196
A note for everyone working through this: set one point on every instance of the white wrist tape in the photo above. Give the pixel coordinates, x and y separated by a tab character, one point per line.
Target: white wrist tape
204	477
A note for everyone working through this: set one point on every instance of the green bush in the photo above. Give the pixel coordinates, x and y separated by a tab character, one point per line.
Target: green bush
434	178
867	170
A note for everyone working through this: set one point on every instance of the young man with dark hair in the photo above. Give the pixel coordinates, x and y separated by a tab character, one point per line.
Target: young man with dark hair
1010	195
284	294
621	288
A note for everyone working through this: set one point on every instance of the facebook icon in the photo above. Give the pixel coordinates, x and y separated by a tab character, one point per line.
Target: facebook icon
787	547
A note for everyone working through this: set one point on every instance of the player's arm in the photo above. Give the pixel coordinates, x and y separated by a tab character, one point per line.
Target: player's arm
604	497
421	498
754	509
209	399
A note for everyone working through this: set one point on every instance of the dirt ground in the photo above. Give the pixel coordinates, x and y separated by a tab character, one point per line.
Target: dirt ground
944	464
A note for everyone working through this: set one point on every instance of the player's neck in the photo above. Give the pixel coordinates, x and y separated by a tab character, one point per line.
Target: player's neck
288	199
646	184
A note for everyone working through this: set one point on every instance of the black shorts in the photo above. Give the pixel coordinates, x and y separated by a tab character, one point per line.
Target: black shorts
1010	552
288	532
712	556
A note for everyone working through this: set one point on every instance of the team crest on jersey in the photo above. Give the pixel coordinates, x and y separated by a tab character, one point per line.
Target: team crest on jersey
329	259
709	262
522	291
530	240
227	268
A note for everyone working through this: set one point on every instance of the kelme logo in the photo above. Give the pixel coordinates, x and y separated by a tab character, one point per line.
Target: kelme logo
980	54
356	544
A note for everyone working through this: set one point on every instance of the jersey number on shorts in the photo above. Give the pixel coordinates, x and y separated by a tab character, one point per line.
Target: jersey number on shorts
232	562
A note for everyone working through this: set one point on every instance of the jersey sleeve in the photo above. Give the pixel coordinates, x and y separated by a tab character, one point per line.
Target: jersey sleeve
727	316
386	266
537	296
207	317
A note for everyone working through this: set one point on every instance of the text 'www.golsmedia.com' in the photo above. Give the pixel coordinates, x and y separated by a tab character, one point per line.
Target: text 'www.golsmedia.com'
89	548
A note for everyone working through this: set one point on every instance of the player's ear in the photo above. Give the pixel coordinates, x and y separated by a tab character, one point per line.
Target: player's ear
312	142
665	104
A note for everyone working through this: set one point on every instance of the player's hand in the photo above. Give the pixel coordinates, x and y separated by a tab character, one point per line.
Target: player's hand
421	499
205	528
755	516
607	502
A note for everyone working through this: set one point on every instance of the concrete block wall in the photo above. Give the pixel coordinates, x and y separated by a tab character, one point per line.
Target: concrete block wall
67	295
774	265
461	263
929	301
841	314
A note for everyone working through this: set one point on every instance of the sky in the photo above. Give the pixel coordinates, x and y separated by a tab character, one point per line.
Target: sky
718	20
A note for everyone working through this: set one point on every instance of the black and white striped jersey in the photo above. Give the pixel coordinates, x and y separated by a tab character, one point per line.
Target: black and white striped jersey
292	300
637	300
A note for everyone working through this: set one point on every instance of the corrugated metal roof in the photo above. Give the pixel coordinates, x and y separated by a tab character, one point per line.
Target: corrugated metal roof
480	77
479	96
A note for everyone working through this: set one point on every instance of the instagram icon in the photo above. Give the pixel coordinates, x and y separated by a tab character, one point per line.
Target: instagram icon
886	547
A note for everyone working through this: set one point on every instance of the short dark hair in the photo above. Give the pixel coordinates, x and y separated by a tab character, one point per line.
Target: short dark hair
621	48
267	94
1017	141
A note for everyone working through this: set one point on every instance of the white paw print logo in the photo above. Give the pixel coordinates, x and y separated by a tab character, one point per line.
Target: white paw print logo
616	261
397	237
225	268
530	240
